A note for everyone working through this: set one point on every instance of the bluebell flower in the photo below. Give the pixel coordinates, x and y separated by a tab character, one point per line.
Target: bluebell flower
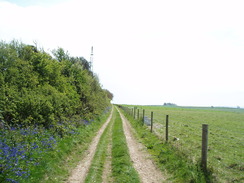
12	128
86	122
17	149
11	180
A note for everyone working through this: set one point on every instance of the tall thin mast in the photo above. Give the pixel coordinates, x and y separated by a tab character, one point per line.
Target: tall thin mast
91	59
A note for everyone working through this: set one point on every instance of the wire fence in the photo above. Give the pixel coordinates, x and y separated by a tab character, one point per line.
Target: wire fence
193	139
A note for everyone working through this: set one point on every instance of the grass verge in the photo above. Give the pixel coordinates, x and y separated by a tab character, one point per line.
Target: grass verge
56	165
168	158
122	168
98	162
225	137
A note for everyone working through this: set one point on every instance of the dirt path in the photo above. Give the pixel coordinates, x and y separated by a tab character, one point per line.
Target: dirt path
143	164
80	172
107	171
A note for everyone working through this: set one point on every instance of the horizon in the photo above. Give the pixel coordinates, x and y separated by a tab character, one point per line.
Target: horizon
162	105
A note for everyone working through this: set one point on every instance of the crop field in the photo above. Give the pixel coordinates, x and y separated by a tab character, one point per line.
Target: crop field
225	137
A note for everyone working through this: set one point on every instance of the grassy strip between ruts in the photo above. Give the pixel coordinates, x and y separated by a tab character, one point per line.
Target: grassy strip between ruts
167	157
122	168
56	165
97	166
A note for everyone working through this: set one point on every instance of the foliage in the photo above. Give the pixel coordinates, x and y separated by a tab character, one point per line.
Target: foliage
37	89
56	165
109	94
27	153
21	149
43	100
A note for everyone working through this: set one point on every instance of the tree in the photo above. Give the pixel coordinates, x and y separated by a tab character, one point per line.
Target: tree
169	104
60	54
109	94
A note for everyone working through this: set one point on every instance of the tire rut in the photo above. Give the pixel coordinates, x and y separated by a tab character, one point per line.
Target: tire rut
145	167
107	172
78	174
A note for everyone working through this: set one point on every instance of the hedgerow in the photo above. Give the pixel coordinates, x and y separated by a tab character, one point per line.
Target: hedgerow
43	98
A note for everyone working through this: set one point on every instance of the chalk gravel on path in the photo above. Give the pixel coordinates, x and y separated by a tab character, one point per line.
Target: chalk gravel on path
145	167
78	175
141	159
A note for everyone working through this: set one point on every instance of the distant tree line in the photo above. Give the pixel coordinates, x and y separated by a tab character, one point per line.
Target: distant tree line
39	89
169	104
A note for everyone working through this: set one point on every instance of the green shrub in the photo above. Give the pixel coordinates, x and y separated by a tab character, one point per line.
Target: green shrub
37	89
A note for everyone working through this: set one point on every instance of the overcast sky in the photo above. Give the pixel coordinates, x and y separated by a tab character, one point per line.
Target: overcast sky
145	51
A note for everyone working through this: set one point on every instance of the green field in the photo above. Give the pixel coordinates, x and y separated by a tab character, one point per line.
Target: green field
225	138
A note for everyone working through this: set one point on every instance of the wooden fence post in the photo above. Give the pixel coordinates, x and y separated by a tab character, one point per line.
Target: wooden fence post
138	112
167	128
204	146
143	116
151	121
134	113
